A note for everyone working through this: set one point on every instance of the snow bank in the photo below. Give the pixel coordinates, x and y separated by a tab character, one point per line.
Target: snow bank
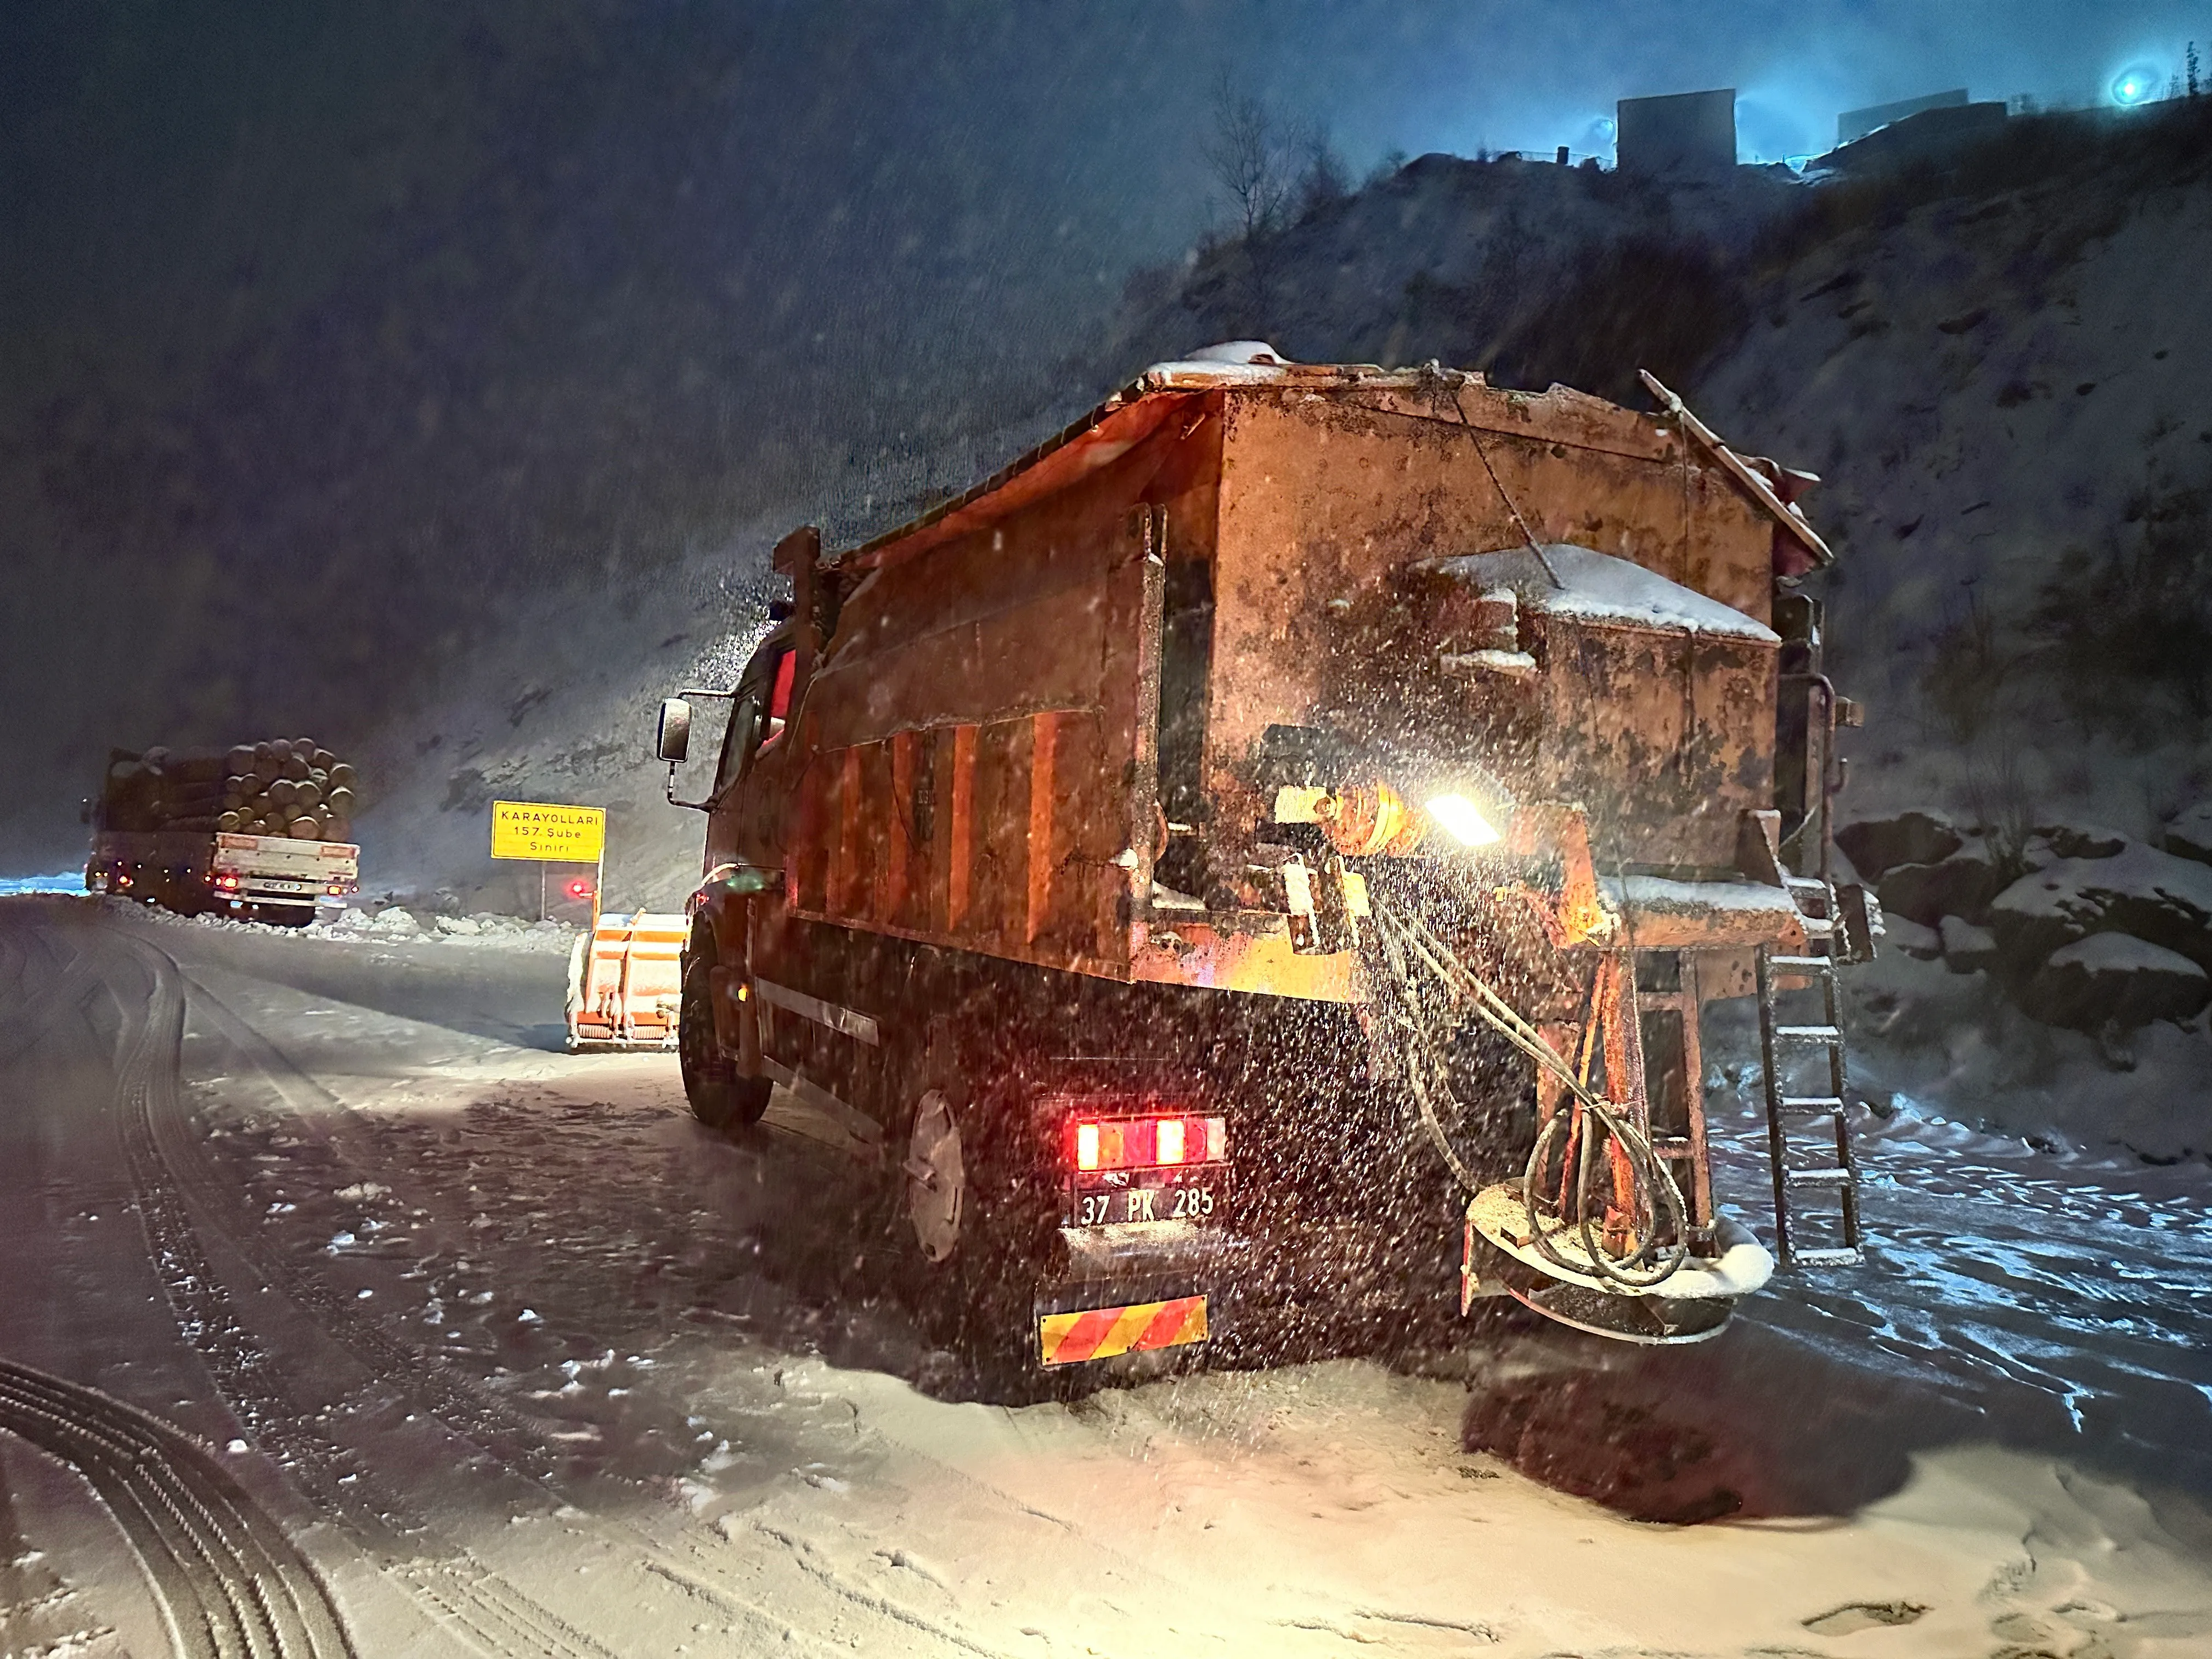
2116	979
2154	896
394	925
2189	833
1966	947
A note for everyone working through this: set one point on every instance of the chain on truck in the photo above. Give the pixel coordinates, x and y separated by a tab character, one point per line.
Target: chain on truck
1254	867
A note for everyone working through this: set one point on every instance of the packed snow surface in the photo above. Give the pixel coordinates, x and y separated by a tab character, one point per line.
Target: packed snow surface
582	1363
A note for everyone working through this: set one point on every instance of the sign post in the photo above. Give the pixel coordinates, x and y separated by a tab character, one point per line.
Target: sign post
552	833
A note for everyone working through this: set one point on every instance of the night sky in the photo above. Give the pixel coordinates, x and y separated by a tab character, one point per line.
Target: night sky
325	329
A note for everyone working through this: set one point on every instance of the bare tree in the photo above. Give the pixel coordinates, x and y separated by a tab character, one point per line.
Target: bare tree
1249	156
1246	153
1323	178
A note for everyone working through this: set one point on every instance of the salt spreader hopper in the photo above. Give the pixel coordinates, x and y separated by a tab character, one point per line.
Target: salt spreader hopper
1260	859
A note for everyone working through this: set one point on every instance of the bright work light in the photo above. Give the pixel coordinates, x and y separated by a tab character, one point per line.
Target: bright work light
1463	818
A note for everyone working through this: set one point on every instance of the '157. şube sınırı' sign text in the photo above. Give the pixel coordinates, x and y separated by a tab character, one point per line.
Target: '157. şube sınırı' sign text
535	829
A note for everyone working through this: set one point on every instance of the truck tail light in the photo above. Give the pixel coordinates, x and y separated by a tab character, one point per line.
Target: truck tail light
1146	1143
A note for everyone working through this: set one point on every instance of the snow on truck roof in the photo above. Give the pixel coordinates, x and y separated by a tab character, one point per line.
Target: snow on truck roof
1595	586
1132	414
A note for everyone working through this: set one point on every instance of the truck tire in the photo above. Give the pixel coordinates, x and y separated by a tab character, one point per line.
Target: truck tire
973	1214
718	1098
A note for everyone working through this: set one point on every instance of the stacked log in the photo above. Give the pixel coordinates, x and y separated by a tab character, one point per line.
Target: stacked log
283	786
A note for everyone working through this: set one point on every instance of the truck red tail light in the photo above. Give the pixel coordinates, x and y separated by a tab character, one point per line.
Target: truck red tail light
1144	1143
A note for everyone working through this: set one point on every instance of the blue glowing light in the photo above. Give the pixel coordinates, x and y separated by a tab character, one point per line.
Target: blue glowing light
2138	83
70	881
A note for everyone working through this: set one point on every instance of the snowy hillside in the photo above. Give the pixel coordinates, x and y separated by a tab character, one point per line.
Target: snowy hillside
1996	371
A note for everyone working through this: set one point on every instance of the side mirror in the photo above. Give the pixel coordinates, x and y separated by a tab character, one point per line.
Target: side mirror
674	742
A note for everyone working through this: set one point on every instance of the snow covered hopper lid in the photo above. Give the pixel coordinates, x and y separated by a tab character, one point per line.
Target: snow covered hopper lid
1149	402
1593	586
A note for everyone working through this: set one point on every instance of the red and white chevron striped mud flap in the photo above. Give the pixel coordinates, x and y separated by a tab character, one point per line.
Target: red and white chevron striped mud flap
1066	1339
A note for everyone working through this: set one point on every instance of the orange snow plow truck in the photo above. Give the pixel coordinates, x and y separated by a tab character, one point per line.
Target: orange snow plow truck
1252	869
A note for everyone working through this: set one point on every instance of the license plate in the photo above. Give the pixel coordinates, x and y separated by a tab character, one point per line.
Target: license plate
271	884
1189	1194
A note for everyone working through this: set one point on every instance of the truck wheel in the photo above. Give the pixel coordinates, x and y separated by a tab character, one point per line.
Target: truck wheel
975	1215
720	1098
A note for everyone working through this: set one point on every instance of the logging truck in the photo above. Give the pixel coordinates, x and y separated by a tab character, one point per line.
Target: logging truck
1252	869
259	832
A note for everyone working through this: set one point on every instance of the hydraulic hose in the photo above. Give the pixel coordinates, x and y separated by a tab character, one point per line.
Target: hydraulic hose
1405	942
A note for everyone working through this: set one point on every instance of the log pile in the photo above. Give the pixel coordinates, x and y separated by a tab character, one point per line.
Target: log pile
284	786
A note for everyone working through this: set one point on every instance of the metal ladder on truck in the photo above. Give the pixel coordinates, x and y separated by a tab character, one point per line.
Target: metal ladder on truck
1804	1061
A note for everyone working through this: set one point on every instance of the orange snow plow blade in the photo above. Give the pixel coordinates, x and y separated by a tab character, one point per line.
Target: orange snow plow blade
1066	1339
625	981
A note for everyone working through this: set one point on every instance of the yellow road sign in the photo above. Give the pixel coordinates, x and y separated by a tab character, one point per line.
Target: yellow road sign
533	829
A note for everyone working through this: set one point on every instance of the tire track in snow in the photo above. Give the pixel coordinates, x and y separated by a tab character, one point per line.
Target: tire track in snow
483	1610
225	1575
700	1578
422	1377
282	1075
490	1612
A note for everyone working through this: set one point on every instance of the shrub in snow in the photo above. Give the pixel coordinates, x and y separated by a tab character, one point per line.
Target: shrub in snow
2112	979
2190	834
2158	897
1877	846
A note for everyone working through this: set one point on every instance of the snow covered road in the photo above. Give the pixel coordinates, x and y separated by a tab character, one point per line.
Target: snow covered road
520	1360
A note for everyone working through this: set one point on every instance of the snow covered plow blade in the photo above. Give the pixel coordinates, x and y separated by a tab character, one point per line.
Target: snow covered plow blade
1383	766
625	982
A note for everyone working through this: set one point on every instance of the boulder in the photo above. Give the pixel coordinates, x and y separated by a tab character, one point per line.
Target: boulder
1966	949
1877	846
2115	979
2075	841
1961	884
1920	943
2189	833
2164	900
